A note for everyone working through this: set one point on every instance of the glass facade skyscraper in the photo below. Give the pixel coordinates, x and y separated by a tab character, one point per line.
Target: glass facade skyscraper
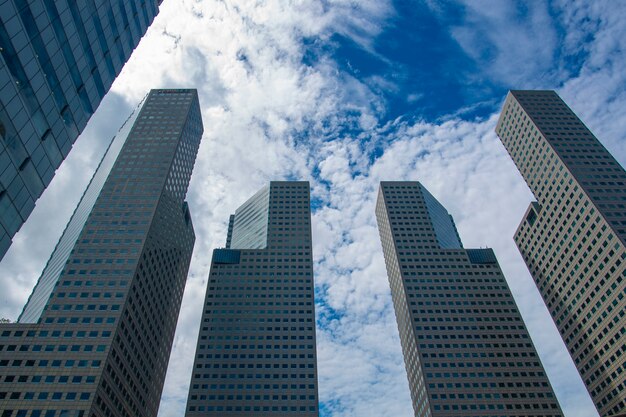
57	61
100	345
466	349
573	238
256	348
48	279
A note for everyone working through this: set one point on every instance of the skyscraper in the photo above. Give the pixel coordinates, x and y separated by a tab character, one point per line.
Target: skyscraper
573	237
100	345
49	277
466	349
256	348
58	60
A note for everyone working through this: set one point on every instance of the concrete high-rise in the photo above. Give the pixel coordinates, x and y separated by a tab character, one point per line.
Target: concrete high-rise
58	60
96	340
466	349
256	348
573	236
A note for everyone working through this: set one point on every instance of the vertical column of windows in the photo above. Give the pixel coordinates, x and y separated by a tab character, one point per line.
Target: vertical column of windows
102	40
68	55
463	333
87	48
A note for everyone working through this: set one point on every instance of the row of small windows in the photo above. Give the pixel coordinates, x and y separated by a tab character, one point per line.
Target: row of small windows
260	337
99	283
499	313
268	377
425	287
446	295
455	407
252	346
258	329
444	301
50	379
256	295
293	275
475	329
83	307
258	397
487	386
479	355
257	304
467	319
468	336
256	408
479	396
52	348
271	312
481	346
255	288
257	356
482	375
43	413
253	254
249	387
110	241
42	396
90	295
255	365
466	364
482	279
56	333
57	363
100	271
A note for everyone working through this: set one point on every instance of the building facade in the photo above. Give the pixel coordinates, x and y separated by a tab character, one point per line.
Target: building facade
100	345
573	236
58	60
466	349
48	279
256	348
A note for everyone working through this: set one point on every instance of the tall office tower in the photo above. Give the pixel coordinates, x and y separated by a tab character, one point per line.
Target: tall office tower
256	348
573	237
466	349
48	279
58	60
98	342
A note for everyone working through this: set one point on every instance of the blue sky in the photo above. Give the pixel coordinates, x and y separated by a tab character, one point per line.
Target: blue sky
346	94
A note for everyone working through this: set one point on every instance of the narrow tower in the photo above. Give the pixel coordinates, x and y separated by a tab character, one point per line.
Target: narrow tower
97	339
466	349
57	61
573	237
256	348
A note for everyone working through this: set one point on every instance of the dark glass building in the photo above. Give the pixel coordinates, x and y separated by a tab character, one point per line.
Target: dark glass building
573	236
256	348
466	349
57	61
100	344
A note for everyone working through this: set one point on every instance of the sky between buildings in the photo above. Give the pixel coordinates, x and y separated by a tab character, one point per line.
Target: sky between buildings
346	94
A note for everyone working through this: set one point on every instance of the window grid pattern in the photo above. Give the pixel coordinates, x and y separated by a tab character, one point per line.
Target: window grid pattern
572	237
466	349
49	277
256	348
111	317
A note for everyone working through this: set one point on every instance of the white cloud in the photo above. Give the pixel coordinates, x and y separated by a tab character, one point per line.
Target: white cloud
268	116
598	93
512	42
